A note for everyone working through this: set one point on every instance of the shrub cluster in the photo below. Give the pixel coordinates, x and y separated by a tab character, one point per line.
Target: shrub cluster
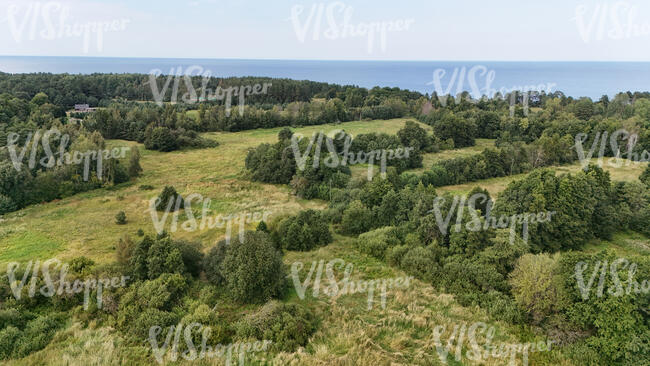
302	232
288	326
251	270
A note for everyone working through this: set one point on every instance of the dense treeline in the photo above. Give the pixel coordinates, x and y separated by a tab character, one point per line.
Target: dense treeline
547	136
131	108
130	120
159	128
39	163
68	160
99	90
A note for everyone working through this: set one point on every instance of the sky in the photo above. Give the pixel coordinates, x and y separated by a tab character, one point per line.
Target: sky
431	30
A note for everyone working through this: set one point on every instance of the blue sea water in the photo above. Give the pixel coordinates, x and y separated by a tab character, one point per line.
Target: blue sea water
577	79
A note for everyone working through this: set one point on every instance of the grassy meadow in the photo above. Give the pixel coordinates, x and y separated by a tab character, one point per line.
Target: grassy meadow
84	224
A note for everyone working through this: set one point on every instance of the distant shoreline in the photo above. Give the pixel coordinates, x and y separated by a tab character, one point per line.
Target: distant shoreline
576	79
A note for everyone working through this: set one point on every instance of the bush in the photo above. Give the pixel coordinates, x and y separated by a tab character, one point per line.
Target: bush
395	254
376	242
288	326
151	317
8	338
303	232
471	279
13	317
212	264
150	301
153	257
502	307
533	286
6	205
120	218
169	200
161	139
357	219
421	263
253	269
81	265
204	315
37	334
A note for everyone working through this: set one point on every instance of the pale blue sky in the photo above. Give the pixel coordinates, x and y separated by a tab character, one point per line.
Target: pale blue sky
506	30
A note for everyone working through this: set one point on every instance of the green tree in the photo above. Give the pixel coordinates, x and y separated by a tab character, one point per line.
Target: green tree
40	99
642	109
134	168
285	134
378	241
303	232
584	109
253	269
169	199
534	286
413	135
262	227
164	257
461	130
288	326
357	219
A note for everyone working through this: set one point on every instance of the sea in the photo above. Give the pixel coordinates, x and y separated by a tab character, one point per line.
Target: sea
576	79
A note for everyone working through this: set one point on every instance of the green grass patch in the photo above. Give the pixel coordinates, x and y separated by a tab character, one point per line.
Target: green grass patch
26	246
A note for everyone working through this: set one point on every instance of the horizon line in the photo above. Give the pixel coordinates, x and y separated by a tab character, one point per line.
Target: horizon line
321	60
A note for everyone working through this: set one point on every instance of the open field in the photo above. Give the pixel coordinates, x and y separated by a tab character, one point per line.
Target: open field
84	224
